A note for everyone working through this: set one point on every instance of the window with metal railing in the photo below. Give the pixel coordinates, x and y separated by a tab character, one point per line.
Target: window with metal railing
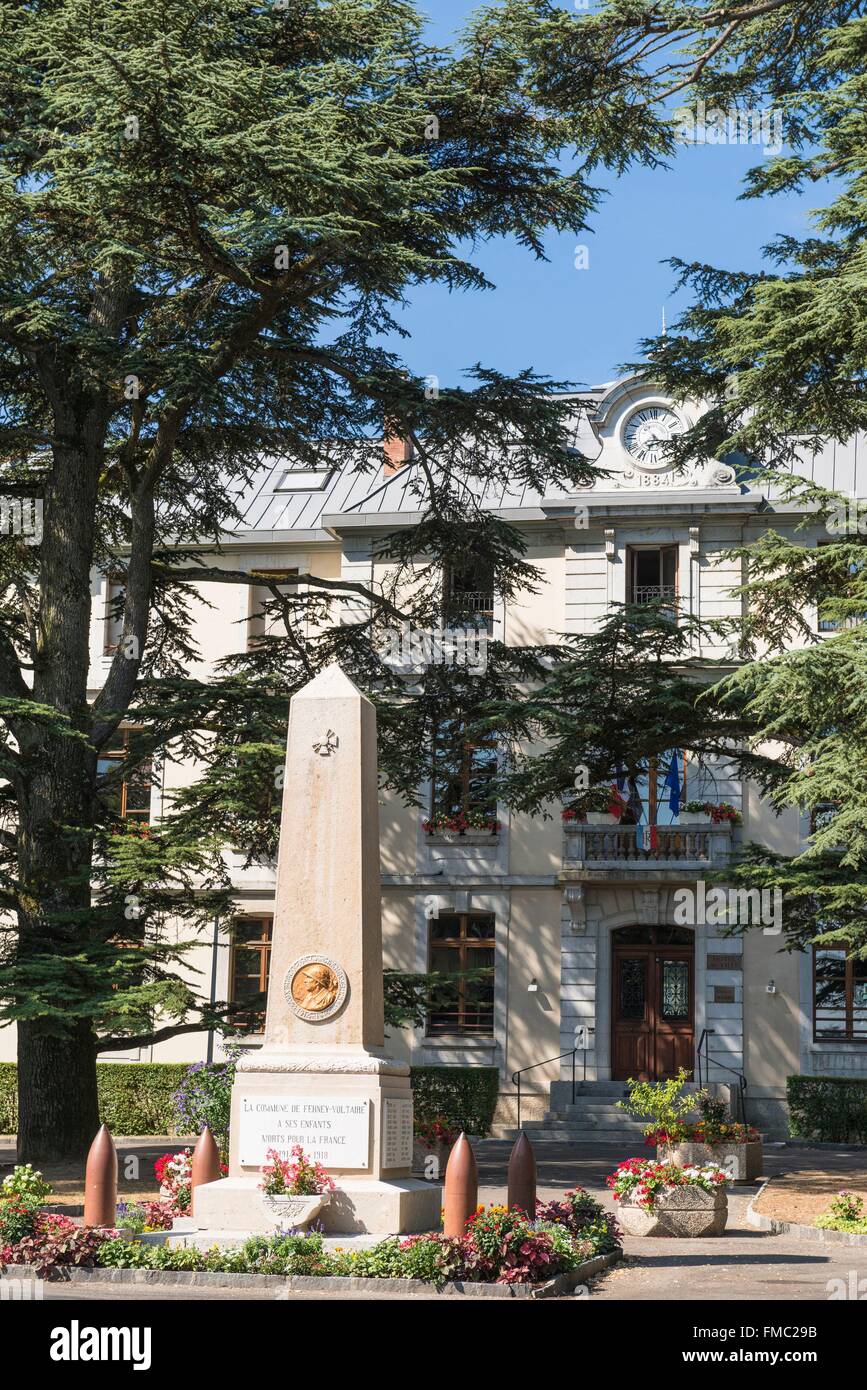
469	596
652	575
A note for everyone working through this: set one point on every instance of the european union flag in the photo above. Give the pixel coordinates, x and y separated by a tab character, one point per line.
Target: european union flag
672	781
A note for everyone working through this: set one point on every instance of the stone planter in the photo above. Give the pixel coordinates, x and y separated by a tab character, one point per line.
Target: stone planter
742	1162
429	1160
685	1212
691	818
294	1213
601	818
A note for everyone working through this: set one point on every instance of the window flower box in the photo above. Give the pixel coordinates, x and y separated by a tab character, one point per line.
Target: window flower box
472	829
719	812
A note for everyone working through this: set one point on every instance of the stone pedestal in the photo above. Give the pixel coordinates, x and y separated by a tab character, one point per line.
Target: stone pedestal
323	1079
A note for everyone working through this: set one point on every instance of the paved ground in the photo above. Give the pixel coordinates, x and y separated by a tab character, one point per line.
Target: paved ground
745	1265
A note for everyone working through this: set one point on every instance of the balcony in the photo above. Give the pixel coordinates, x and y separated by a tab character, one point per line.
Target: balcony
471	607
591	851
654	593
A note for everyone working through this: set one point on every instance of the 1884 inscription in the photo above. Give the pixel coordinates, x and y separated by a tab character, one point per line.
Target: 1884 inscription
334	1132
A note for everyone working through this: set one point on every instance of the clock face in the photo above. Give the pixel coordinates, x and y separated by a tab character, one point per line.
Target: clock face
647	431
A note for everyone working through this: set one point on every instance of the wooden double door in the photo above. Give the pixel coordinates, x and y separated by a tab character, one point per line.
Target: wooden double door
653	1004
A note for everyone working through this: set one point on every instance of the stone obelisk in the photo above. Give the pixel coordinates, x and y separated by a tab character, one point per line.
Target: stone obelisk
323	1078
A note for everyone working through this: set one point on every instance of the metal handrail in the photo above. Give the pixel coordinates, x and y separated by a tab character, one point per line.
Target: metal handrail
516	1075
712	1062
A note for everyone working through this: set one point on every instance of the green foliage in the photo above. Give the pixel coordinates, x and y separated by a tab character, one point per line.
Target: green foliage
134	1097
465	1097
846	1213
782	357
8	1098
26	1183
204	1097
500	1245
18	1216
665	1104
829	1108
140	1097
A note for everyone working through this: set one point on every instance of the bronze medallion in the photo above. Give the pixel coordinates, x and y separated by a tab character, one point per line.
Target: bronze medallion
315	987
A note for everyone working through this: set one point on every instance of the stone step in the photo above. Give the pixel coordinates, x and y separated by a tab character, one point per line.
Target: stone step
577	1134
584	1105
588	1123
600	1088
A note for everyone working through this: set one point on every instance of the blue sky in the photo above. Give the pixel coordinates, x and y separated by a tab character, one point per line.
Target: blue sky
579	325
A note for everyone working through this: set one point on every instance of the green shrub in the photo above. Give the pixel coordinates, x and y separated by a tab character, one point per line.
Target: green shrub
134	1097
829	1108
204	1097
464	1096
139	1097
846	1213
8	1098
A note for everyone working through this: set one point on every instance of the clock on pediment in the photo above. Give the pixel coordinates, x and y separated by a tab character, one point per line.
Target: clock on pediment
646	433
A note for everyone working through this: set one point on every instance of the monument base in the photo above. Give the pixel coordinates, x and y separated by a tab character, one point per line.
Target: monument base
400	1206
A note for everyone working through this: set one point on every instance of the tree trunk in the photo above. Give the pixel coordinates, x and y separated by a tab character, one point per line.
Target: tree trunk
57	1103
57	1110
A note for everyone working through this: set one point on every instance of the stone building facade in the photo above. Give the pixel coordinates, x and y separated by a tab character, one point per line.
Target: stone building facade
579	921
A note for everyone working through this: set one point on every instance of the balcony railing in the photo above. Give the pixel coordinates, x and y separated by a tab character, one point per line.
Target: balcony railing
594	847
653	593
471	606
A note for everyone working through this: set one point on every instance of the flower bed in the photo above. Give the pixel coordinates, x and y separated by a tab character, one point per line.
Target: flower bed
666	1199
500	1247
846	1213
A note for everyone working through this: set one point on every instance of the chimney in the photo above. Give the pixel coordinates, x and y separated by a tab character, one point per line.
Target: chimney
398	451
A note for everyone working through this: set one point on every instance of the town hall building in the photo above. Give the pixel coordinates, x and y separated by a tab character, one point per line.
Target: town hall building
594	967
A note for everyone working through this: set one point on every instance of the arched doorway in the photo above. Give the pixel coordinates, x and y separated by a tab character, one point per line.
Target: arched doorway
653	1002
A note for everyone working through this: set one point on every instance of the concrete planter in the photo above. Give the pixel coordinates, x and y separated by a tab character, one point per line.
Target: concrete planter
294	1212
601	818
688	818
742	1162
685	1212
